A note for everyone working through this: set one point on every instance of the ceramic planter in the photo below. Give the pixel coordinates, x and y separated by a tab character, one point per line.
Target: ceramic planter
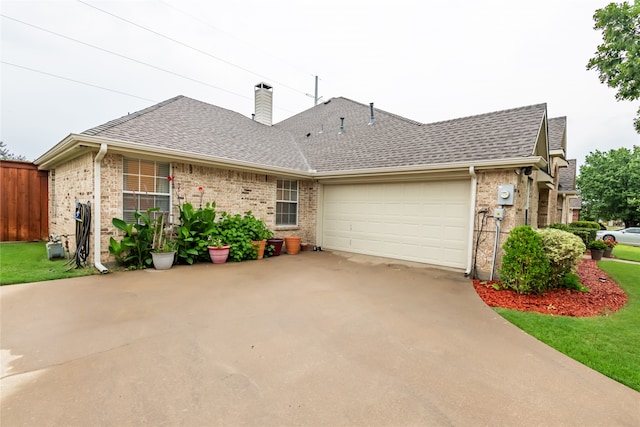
277	245
607	252
218	255
260	244
163	260
597	254
292	244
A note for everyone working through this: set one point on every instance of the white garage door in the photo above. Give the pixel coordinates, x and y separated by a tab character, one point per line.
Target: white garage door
415	221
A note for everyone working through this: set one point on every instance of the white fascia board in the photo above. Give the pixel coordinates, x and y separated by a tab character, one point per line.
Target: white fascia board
75	143
443	169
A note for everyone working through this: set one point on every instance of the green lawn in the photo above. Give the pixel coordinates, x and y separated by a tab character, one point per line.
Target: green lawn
28	262
608	344
631	253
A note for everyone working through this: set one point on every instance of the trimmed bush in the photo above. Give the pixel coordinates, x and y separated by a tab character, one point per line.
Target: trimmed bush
563	250
560	226
587	235
585	224
525	267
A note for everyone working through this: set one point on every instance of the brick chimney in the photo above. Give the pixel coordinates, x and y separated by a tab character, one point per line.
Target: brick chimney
264	103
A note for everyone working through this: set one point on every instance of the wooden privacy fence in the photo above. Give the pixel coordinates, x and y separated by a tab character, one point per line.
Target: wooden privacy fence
23	202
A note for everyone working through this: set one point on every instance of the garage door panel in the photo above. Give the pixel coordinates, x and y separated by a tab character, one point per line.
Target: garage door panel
419	221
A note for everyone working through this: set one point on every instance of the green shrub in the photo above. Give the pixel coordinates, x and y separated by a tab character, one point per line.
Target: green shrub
196	225
563	250
238	231
560	226
525	267
585	224
598	245
587	235
134	250
197	230
572	281
256	229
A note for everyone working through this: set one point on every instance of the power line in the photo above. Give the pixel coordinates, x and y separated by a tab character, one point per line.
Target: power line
78	81
202	21
124	56
190	47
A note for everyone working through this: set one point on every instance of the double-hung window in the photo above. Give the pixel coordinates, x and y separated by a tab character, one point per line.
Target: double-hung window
286	202
146	185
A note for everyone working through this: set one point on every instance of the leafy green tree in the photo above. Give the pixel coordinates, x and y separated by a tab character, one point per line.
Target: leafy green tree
609	184
5	154
618	57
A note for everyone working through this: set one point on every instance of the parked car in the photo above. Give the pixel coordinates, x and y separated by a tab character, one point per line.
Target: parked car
626	236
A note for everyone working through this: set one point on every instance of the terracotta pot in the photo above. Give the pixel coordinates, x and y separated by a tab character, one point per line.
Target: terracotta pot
219	255
292	243
597	254
260	246
277	245
163	260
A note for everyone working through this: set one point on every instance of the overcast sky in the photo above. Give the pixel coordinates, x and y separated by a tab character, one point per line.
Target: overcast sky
424	60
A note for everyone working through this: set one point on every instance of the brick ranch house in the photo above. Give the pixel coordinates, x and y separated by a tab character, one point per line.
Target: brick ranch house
343	175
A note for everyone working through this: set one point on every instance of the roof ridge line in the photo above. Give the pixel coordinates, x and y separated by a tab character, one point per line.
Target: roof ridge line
115	122
489	113
405	119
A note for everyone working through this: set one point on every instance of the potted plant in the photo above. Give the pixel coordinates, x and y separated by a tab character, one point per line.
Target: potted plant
218	251
597	249
257	232
609	249
163	245
292	244
277	243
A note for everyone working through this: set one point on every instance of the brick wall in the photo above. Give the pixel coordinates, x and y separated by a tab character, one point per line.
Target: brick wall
487	197
68	183
239	192
232	191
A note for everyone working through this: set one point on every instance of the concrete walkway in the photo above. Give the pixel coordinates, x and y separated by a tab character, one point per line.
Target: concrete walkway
312	339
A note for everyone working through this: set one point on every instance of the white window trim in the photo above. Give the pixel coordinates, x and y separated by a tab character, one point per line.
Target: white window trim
296	202
147	193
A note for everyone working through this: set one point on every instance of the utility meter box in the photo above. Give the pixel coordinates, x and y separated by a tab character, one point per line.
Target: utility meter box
55	250
505	194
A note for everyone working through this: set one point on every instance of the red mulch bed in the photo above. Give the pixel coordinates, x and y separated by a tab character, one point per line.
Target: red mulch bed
606	296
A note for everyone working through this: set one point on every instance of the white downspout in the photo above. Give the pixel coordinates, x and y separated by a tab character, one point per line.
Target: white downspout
97	207
472	215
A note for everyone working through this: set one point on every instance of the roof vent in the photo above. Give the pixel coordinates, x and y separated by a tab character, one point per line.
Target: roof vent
372	119
341	126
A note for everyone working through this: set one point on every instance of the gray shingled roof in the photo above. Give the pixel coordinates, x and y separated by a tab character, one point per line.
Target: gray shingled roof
575	203
567	177
311	139
203	129
557	128
396	141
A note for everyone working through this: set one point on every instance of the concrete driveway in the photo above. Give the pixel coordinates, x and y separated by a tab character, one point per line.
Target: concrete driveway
312	339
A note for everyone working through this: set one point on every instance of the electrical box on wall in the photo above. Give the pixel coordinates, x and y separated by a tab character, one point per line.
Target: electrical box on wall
505	194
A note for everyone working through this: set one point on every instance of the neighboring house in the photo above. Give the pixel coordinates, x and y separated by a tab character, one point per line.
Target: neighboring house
569	202
342	175
575	206
563	190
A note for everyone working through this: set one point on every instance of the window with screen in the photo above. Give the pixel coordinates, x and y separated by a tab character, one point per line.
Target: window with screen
287	202
145	186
